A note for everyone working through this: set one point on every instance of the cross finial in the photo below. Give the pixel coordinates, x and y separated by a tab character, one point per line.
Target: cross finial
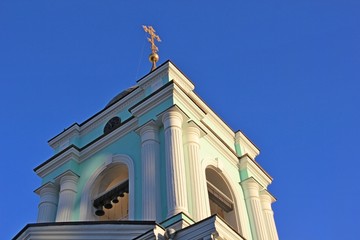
153	57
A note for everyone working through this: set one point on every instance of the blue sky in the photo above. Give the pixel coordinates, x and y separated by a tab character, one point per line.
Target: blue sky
286	73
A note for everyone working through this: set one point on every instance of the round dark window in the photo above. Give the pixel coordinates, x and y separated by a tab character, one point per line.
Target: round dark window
112	124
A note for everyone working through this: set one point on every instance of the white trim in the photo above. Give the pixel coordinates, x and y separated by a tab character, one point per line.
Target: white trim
254	170
74	154
86	208
80	130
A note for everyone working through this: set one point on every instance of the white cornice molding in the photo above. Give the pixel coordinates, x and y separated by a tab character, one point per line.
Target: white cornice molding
152	101
48	185
219	146
254	170
173	73
80	155
208	228
110	112
96	120
67	173
52	164
214	117
109	139
159	73
72	131
178	77
193	109
83	230
247	147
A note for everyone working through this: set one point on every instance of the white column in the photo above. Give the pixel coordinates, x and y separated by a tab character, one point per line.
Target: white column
149	157
200	206
49	194
174	163
266	200
68	190
251	191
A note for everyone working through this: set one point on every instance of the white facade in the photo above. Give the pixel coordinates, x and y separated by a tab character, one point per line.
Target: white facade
155	163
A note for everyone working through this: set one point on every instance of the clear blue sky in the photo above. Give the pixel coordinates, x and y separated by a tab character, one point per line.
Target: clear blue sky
286	73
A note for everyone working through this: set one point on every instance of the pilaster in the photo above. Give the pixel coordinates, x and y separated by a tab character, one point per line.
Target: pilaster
149	158
68	189
49	196
174	162
266	200
200	208
251	191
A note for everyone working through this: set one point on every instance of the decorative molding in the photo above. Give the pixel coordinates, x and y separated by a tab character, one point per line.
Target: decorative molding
126	128
152	100
116	230
73	130
246	145
71	153
253	169
79	155
207	229
97	119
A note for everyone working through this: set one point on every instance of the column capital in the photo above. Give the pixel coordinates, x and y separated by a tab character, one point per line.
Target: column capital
68	180
173	117
266	199
251	187
47	188
148	131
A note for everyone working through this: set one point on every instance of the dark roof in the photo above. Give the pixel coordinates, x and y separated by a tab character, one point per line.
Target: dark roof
121	95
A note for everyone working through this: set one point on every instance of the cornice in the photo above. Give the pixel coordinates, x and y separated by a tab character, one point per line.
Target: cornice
183	81
80	154
70	153
111	111
181	96
254	170
216	142
49	185
249	147
97	119
68	133
108	139
86	230
152	100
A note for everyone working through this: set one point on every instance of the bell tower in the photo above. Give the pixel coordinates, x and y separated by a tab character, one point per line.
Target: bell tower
155	163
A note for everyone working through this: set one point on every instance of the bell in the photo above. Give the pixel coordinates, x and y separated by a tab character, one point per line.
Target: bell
108	204
121	194
99	211
115	200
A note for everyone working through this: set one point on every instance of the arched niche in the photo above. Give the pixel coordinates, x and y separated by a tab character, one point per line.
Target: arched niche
241	215
221	197
115	171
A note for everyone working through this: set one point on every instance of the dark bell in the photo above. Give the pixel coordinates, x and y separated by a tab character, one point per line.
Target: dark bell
108	204
121	194
99	211
115	200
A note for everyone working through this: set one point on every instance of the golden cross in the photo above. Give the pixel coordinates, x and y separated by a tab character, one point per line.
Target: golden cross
150	30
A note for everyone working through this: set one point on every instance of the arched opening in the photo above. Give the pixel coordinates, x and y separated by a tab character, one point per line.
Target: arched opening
110	194
220	197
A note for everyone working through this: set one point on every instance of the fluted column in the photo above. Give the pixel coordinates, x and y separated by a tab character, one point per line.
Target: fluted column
68	190
149	158
266	200
49	195
251	191
174	163
200	207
